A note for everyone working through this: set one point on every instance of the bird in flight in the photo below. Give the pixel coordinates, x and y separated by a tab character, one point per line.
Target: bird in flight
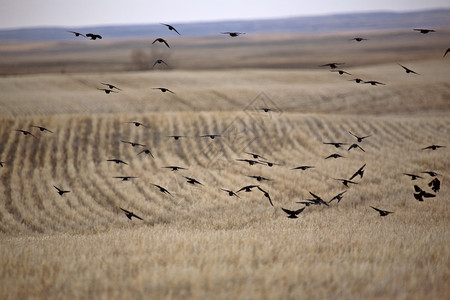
269	163
421	193
259	178
292	214
382	212
162	190
255	155
134	144
111	86
447	51
338	197
413	176
161	41
107	91
265	109
42	128
407	70
125	178
317	200
431	173
117	161
26	132
192	181
424	31
357	80
230	193
76	33
332	65
435	185
303	168
129	214
337	144
358	39
171	28
247	188
233	34
266	194
433	147
250	161
360	172
372	82
137	124
146	151
334	155
1	163
60	191
94	36
355	146
346	182
359	138
175	168
164	90
341	72
211	136
176	137
159	61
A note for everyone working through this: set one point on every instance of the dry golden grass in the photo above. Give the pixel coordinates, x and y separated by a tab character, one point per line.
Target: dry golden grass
201	243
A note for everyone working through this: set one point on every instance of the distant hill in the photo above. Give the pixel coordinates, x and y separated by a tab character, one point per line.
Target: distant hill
316	24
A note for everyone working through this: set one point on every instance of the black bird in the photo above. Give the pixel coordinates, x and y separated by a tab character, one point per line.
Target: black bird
94	36
269	163
346	182
176	137
424	31
42	128
247	188
259	178
407	70
308	203
332	65
146	151
175	168
233	34
107	91
357	80
125	178
129	214
111	86
303	168
265	109
159	61
359	138
164	90
431	173
161	41
162	190
117	161
382	212
447	51
192	180
337	144
355	146
26	132
230	193
61	192
334	155
266	194
250	161
419	196
211	136
1	163
413	176
255	155
171	28
338	197
137	124
317	200
433	147
360	172
373	82
358	39
435	185
76	33
134	144
292	214
341	72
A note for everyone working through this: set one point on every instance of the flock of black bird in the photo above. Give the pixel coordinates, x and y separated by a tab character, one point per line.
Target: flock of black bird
255	158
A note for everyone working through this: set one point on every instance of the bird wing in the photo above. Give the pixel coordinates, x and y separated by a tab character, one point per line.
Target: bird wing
289	212
166	43
379	210
299	210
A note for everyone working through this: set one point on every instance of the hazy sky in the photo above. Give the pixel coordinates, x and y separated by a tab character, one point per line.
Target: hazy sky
75	13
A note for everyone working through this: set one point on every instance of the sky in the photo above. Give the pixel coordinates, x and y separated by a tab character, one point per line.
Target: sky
79	13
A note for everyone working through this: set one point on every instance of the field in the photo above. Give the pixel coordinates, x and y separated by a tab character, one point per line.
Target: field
199	242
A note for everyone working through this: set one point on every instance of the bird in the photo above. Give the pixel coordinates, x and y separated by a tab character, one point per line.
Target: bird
303	168
161	41
174	168
355	146
421	193
164	90
424	31
230	193
107	91
250	161
133	144
125	178
292	214
431	173
247	188
137	124
26	132
359	138
308	203
192	181
129	214
266	194
171	28
360	172
447	51
259	178
334	155
233	34
372	82
413	176
269	163
435	185
407	70
341	72
255	155
162	190
358	39
357	80
42	128
338	197
176	137
211	136
146	151
61	192
76	33
265	109
336	144
346	182
433	147
382	212
94	36
1	163
117	161
332	65
159	61
317	200
111	86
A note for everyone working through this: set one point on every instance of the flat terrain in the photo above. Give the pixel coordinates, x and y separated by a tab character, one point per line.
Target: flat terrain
199	242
